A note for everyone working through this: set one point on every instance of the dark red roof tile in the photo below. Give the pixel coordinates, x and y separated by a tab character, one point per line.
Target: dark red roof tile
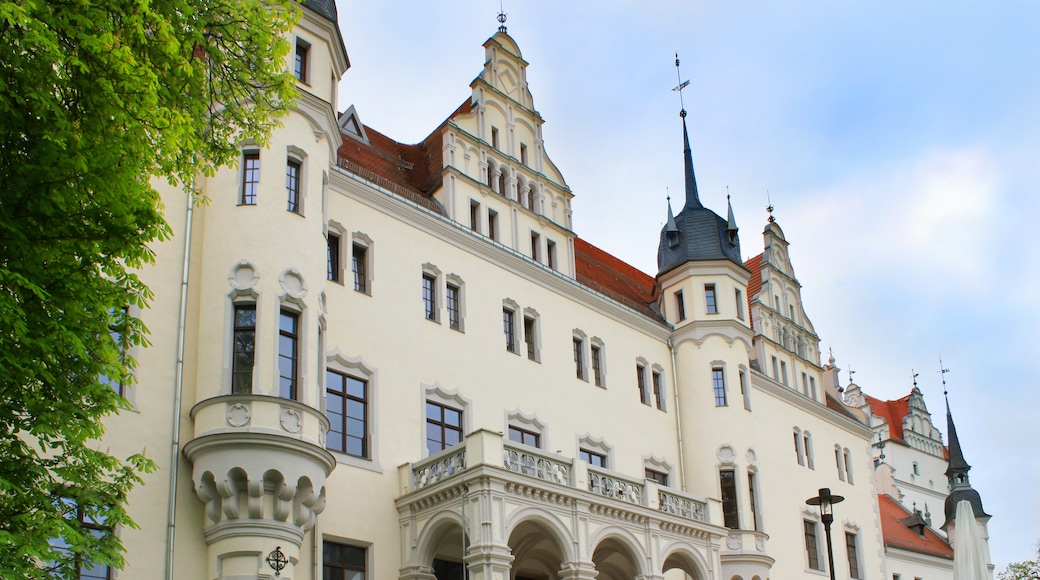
892	412
610	276
897	535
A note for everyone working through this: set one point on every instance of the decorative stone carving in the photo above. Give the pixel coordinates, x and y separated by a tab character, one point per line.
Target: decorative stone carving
291	420
440	470
760	543
726	454
238	414
321	435
615	488
292	283
243	276
533	466
680	506
752	457
734	542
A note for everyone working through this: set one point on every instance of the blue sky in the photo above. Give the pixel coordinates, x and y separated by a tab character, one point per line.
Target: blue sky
898	142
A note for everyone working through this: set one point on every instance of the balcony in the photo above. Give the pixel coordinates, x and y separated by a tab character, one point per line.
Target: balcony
500	502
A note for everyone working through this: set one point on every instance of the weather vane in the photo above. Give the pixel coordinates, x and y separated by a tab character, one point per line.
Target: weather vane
851	372
914	377
682	85
769	208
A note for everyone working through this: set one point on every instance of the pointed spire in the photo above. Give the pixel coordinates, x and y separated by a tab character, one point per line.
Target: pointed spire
693	200
670	226
731	222
958	468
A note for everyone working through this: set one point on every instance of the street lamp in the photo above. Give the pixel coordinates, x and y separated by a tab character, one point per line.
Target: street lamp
826	502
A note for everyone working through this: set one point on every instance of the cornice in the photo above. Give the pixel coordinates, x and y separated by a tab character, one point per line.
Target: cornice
322	117
918	557
728	268
487	191
815	408
698	331
482	81
494	253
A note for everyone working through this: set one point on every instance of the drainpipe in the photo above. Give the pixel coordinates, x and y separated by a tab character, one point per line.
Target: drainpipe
678	419
178	389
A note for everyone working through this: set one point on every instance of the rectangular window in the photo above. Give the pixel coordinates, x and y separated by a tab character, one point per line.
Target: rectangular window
342	562
728	485
494	137
493	225
808	451
740	304
429	296
848	465
597	365
579	358
535	243
89	526
244	348
332	258
655	381
292	185
812	387
745	391
346	405
783	372
837	463
451	296
443	427
550	254
710	305
508	329
359	266
680	306
751	475
300	65
660	477
592	458
524	437
718	383
641	381
812	547
529	338
523	154
853	555
798	448
250	177
776	369
474	216
805	384
117	337
288	353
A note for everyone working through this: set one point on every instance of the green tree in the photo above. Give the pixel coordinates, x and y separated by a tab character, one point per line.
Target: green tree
1028	570
97	98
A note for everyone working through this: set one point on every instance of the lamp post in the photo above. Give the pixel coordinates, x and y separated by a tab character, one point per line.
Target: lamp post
826	502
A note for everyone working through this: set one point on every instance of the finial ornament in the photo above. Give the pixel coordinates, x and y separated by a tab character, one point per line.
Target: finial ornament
943	370
682	85
851	372
501	18
914	377
769	207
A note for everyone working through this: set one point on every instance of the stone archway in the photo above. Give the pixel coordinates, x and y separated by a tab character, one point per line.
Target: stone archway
681	565
615	559
537	551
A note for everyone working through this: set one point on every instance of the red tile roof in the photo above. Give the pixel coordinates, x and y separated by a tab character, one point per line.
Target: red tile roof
608	275
893	413
897	535
755	283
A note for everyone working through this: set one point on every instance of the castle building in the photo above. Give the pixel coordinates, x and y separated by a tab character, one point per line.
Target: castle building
379	360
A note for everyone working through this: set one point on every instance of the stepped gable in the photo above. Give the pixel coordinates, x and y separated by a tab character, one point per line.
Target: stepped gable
897	535
614	278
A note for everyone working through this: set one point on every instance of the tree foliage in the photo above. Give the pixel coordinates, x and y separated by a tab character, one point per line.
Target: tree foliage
96	99
1028	570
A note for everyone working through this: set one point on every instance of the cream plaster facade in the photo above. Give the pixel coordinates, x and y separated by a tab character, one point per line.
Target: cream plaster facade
243	473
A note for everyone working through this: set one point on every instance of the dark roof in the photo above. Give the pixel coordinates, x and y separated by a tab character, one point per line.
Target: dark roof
897	534
957	472
699	234
326	8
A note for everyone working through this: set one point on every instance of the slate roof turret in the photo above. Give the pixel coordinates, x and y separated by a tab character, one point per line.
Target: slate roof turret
957	472
697	233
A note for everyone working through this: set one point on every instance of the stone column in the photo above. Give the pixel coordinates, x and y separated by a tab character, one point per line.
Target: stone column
578	570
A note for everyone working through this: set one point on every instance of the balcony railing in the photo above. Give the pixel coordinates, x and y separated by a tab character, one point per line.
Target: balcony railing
485	448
